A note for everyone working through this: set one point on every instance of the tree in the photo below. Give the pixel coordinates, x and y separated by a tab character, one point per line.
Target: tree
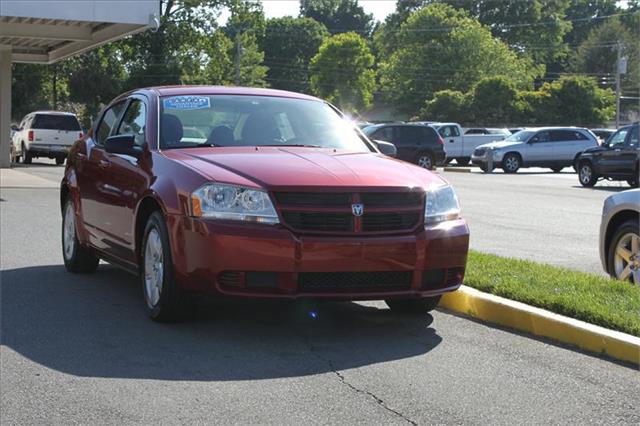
584	15
597	54
338	16
446	105
95	78
28	89
494	102
341	72
440	48
289	44
577	100
534	27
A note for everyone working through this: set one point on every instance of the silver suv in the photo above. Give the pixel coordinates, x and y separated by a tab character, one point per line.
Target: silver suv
553	147
620	236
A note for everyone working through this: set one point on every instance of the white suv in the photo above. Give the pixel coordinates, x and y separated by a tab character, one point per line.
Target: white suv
553	147
45	134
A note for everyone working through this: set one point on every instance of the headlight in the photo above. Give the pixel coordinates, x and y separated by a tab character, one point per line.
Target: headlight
441	205
232	202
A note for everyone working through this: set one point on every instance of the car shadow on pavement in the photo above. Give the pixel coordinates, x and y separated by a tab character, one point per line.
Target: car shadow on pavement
605	188
95	326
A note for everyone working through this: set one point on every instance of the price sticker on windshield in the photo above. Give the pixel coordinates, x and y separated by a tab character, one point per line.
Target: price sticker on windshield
187	102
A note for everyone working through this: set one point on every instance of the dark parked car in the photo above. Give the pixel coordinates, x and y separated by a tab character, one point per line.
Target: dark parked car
283	199
415	143
616	159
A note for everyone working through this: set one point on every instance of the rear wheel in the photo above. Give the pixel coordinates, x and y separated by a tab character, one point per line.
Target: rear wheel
511	163
60	160
26	155
557	169
413	306
426	161
163	297
586	174
624	253
77	259
463	161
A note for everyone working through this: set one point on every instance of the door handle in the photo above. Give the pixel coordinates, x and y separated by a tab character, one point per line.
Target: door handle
103	164
617	150
451	141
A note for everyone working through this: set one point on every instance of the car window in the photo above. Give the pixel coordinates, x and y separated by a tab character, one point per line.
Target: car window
109	120
633	137
474	132
429	134
541	137
619	137
566	135
407	135
241	120
56	122
448	131
134	122
383	134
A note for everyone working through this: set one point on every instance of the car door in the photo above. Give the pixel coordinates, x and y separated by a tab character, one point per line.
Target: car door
123	178
611	160
566	145
630	152
91	176
452	140
404	143
538	150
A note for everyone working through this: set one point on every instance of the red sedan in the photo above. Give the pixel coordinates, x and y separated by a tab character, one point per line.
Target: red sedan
255	193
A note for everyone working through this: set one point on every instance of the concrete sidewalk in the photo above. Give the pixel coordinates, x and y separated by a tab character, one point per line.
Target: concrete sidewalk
12	178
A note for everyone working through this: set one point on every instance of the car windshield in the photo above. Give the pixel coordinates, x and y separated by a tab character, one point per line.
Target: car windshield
520	136
237	120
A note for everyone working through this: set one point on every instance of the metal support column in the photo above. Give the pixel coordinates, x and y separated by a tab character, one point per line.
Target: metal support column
5	106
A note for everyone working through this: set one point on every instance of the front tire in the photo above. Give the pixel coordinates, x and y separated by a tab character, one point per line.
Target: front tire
60	160
164	300
511	163
624	253
586	175
77	259
463	161
413	306
426	161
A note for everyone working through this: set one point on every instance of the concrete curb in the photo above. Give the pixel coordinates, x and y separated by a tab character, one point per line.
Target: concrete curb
457	169
539	322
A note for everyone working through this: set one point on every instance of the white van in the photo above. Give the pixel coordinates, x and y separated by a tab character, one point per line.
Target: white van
45	134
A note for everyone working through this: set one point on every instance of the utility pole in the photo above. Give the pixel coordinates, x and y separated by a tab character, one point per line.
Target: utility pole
238	54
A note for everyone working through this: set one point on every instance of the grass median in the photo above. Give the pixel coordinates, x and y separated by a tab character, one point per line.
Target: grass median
587	297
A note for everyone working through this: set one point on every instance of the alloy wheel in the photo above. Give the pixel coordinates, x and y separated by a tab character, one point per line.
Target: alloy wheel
69	231
425	161
512	163
626	261
153	267
585	174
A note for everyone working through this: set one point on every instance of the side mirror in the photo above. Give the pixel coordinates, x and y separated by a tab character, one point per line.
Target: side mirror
534	139
15	128
386	148
122	144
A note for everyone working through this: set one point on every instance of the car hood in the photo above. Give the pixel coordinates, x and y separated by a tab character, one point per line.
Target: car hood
282	167
501	144
595	149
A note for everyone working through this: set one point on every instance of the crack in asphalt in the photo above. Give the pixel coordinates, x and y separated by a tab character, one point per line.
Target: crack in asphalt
345	382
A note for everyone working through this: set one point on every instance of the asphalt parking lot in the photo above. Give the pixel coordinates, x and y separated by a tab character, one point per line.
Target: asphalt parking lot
79	348
535	215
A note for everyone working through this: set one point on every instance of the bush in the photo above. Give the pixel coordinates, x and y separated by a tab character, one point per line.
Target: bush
446	105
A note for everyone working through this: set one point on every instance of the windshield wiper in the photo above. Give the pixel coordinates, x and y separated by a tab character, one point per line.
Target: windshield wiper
294	144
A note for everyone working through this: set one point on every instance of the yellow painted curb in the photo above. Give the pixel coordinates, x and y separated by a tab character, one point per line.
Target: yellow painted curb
539	322
457	169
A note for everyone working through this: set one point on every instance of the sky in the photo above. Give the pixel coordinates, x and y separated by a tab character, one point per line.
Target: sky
278	8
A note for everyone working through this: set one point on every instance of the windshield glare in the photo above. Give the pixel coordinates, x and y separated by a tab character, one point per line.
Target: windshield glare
237	120
520	136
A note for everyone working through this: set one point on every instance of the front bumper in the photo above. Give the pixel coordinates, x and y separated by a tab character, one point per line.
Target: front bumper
264	261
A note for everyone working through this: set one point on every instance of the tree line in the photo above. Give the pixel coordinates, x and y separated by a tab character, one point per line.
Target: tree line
490	62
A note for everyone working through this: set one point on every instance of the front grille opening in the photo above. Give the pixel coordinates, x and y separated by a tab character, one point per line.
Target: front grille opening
392	199
231	279
324	222
378	222
354	282
332	199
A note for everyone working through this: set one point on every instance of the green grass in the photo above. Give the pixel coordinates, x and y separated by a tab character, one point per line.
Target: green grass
591	298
